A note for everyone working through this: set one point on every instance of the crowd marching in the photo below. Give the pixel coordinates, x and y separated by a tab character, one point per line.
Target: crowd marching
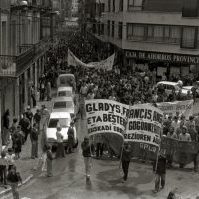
128	87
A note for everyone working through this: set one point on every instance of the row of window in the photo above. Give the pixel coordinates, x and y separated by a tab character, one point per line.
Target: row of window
186	36
131	5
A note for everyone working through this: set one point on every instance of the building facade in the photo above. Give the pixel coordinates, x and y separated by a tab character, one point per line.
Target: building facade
158	35
25	31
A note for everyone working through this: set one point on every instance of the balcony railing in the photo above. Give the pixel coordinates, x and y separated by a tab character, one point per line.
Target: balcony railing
12	66
7	65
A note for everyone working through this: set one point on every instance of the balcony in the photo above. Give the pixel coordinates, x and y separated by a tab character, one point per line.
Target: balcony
13	66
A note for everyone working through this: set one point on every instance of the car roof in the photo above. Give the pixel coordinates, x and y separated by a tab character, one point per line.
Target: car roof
66	75
65	88
62	99
168	83
60	115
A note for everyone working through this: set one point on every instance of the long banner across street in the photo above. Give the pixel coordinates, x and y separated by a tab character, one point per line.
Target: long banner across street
112	122
183	107
106	64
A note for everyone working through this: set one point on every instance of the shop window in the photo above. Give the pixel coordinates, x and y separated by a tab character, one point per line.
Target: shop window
134	4
188	37
121	5
108	28
120	29
113	29
166	32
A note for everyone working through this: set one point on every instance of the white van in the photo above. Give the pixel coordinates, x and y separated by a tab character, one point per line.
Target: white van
65	92
169	86
66	80
64	120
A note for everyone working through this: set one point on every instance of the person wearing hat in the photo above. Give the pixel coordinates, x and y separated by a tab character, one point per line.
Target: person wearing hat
126	158
60	153
159	168
87	148
70	138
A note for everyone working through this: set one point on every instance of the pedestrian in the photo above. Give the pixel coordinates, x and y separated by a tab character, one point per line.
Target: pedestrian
99	150
60	153
70	138
34	140
3	169
13	127
33	95
10	156
126	158
86	152
13	179
25	126
48	91
49	161
159	168
18	139
37	119
29	114
5	132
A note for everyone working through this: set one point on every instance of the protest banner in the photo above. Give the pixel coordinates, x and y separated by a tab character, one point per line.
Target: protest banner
181	151
106	64
183	107
106	122
141	125
144	130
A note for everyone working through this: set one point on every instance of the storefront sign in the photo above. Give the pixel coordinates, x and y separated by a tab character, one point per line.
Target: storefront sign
189	59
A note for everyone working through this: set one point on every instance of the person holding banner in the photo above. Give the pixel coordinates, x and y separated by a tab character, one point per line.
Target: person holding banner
159	168
126	158
86	152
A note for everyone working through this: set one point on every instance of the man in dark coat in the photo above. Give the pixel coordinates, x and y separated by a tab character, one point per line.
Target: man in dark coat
126	158
25	126
160	170
6	124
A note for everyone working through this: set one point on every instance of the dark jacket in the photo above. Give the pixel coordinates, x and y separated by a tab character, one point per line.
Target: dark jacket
13	177
86	149
34	134
126	154
49	155
161	165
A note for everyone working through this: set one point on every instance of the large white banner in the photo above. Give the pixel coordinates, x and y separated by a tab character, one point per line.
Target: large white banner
106	64
140	124
183	107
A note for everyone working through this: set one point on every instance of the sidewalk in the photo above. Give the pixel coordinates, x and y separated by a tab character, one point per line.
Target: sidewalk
25	164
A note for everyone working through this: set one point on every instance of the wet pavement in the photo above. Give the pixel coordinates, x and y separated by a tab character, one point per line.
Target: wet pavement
68	181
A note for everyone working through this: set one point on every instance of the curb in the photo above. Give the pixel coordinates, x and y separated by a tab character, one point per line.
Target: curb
6	191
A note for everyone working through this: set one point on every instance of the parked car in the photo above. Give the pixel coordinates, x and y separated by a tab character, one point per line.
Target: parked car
169	86
65	80
63	104
64	119
185	90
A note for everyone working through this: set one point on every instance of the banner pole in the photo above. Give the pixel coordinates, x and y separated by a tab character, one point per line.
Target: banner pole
123	139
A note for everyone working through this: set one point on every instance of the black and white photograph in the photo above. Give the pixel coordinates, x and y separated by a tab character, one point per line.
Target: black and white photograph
99	99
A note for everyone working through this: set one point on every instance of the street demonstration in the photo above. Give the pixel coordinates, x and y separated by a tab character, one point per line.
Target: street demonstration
129	117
